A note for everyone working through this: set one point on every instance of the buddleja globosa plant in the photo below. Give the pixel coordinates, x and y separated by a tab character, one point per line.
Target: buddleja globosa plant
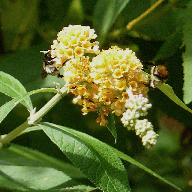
111	83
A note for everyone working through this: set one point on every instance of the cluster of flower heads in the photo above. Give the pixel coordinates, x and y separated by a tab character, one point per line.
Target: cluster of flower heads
107	81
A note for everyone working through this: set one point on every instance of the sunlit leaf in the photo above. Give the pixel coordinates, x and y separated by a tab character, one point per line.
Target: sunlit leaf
32	177
9	106
104	170
13	88
23	156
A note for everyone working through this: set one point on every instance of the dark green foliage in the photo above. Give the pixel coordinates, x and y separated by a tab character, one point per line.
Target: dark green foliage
163	36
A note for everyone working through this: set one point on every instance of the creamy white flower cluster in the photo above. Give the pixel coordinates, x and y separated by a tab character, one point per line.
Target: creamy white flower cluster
136	107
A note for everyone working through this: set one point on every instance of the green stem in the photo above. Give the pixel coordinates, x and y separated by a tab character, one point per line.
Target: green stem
33	119
132	23
13	134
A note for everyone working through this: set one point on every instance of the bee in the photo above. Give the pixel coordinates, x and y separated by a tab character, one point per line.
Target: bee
159	74
48	67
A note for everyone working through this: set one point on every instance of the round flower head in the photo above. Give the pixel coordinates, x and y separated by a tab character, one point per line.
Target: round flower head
118	69
114	70
72	42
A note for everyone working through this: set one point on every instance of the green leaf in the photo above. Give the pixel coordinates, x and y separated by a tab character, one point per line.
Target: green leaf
136	163
170	46
169	92
32	177
91	156
105	14
53	131
111	126
23	156
187	57
13	88
9	106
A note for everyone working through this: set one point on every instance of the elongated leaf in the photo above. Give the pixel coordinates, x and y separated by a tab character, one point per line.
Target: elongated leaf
168	91
53	130
13	88
91	156
136	163
23	156
105	15
9	106
30	177
187	56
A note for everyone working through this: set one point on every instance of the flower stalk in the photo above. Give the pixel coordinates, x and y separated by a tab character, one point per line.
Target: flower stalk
33	118
132	23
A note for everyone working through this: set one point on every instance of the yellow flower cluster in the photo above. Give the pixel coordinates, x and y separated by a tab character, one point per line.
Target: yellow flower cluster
74	41
100	80
114	70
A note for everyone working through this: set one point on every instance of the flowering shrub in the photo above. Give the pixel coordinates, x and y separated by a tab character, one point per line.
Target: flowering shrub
111	103
108	81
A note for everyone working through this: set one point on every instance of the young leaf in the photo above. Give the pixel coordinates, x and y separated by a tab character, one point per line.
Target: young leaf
23	156
105	14
168	91
136	163
187	57
111	126
13	88
91	156
9	106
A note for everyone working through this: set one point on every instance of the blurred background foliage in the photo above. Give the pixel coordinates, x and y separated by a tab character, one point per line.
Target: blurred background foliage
163	36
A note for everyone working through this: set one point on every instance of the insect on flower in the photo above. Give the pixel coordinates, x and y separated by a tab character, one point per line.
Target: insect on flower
48	67
159	74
